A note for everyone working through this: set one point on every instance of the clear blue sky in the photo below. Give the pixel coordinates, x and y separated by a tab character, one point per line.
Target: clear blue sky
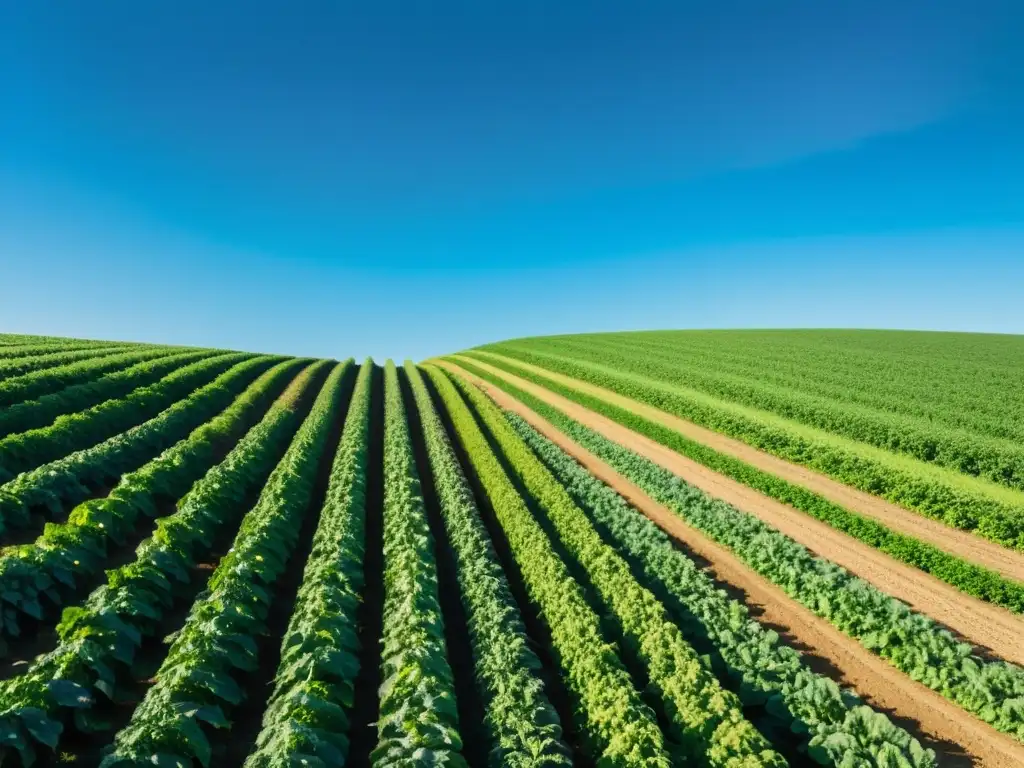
411	178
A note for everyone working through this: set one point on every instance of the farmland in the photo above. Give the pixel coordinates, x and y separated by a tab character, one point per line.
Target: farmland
719	549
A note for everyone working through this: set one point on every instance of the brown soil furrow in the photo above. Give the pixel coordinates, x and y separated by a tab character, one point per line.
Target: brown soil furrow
967	545
939	721
989	627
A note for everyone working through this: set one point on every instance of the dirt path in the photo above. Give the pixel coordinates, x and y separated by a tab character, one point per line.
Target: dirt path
956	735
972	548
991	628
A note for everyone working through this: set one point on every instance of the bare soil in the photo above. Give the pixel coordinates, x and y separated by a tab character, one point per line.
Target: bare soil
993	630
957	736
971	547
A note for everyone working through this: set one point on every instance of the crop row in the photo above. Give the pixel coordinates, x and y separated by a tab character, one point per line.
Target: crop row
950	401
886	361
98	641
945	388
53	487
33	414
197	683
66	553
837	728
55	341
523	728
998	460
618	728
75	431
38	384
32	350
958	507
911	642
706	719
306	715
969	578
418	720
28	349
20	366
29	339
25	338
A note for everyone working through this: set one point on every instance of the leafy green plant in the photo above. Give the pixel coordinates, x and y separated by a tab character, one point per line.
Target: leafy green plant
19	366
418	721
994	458
31	350
32	575
38	384
706	719
197	681
932	377
523	727
75	431
955	505
766	672
153	365
99	639
954	570
306	716
619	730
911	642
53	487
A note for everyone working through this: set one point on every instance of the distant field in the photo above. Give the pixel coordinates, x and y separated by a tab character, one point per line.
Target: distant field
731	549
944	414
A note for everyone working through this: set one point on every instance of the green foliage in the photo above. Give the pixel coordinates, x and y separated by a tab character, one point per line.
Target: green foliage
8	351
32	575
20	366
52	487
38	384
706	719
77	418
619	729
955	505
955	571
418	721
523	727
958	447
56	342
306	718
951	380
30	346
99	639
76	431
153	365
196	684
911	642
765	671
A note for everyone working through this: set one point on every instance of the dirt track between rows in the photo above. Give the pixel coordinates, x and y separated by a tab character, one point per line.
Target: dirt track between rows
991	628
957	736
967	545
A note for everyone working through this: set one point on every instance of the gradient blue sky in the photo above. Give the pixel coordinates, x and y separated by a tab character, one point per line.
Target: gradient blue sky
411	178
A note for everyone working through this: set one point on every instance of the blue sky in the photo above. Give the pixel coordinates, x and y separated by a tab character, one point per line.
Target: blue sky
407	179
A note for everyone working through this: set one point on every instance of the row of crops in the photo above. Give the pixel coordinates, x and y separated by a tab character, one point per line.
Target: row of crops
949	380
947	566
989	689
960	476
228	559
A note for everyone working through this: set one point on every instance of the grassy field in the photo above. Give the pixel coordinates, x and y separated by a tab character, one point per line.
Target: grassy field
545	552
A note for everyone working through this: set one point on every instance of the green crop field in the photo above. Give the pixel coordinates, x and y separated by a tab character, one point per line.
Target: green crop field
725	549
